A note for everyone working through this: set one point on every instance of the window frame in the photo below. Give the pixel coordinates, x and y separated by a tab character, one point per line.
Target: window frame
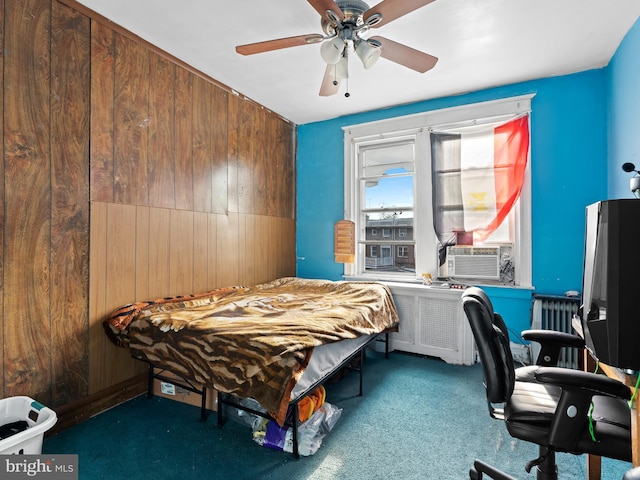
417	128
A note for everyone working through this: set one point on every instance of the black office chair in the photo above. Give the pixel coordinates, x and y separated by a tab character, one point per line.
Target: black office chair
548	406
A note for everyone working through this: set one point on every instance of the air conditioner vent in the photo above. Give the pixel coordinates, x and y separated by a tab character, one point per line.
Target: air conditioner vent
474	262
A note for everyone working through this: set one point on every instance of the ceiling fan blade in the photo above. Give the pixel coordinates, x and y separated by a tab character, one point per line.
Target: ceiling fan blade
279	43
322	6
407	56
392	9
328	88
333	75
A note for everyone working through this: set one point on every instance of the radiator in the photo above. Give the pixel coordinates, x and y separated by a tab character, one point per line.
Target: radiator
433	323
555	313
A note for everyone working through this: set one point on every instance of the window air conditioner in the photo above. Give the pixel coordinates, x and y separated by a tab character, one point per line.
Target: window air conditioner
474	262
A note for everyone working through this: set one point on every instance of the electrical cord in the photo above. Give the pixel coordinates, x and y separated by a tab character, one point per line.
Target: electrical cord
635	391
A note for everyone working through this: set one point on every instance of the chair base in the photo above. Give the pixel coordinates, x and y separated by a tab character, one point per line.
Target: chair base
546	468
545	465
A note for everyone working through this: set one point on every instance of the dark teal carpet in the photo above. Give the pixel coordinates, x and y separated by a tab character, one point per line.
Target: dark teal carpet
419	418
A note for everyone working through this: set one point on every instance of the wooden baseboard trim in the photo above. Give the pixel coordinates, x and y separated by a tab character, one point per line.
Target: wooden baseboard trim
79	411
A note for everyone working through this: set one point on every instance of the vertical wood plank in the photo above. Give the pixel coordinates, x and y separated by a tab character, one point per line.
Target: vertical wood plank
262	248
220	160
201	252
120	280
289	253
102	93
181	253
273	169
159	245
27	360
260	155
183	140
2	204
233	112
202	162
70	212
131	119
285	185
240	249
246	139
97	297
161	133
143	241
251	241
212	251
227	250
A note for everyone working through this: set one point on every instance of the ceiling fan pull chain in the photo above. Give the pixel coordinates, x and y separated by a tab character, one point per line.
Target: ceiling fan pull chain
346	71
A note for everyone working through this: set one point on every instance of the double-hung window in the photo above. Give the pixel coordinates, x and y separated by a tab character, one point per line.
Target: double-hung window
414	190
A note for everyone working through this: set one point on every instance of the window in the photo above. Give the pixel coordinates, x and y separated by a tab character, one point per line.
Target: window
400	176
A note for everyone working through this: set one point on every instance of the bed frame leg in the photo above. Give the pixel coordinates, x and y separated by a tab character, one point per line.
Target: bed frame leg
386	345
219	407
203	404
362	357
296	421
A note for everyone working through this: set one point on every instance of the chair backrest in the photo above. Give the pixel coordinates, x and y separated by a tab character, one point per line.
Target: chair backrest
492	341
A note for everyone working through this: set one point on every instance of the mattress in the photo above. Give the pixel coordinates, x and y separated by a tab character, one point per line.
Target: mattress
324	359
254	341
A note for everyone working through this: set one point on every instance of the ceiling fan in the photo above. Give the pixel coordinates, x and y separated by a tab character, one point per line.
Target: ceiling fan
344	23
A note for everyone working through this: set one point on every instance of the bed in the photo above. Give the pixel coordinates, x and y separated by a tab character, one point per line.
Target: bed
274	342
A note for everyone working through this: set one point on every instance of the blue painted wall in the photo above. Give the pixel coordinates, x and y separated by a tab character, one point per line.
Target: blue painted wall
623	94
573	159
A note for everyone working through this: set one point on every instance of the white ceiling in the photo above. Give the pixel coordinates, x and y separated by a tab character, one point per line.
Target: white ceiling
479	43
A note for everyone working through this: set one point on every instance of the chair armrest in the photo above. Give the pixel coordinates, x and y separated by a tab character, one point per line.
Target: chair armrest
572	412
553	337
551	342
590	383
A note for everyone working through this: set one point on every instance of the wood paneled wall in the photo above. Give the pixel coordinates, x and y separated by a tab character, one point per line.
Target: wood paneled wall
126	175
169	252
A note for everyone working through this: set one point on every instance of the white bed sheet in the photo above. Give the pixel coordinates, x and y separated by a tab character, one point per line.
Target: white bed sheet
325	358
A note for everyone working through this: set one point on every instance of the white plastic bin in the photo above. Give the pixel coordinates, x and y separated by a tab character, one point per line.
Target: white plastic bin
39	418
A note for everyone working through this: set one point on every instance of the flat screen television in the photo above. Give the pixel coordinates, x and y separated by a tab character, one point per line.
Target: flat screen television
611	283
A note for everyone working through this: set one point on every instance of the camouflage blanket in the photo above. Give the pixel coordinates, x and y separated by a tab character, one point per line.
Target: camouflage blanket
251	341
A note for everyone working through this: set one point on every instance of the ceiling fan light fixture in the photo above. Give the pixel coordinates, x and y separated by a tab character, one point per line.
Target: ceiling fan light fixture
331	50
341	71
369	52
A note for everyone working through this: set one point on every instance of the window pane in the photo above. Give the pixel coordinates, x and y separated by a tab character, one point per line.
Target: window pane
378	159
396	227
389	192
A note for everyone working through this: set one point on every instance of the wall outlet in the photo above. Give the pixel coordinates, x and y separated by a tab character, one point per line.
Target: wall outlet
521	353
167	388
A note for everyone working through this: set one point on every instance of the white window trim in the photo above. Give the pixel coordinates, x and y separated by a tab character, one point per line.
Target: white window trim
418	126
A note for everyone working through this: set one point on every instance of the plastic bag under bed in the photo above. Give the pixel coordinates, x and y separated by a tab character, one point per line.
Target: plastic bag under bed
310	433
